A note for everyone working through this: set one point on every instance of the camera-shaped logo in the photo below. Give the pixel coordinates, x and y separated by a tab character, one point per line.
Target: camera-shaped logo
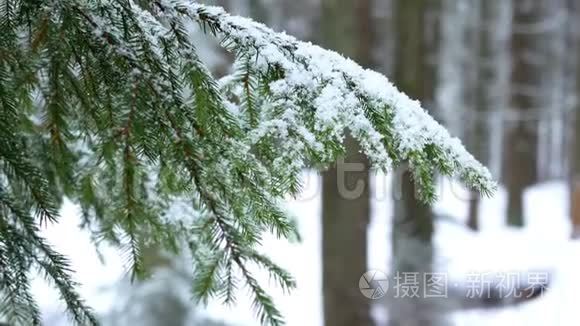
373	284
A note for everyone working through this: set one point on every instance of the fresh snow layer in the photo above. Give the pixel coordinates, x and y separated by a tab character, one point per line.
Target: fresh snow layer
343	92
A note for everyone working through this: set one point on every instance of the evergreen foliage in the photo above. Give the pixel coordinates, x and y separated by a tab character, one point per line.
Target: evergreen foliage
106	102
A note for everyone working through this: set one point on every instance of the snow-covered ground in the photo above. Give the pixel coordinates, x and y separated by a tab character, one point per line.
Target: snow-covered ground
543	245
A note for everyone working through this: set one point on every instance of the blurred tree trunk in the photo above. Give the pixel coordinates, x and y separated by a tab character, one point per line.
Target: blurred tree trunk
417	36
345	27
527	100
573	7
259	11
574	17
479	137
414	75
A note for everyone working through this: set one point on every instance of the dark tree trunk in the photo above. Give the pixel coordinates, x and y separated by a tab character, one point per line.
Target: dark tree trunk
414	75
574	44
417	36
573	7
345	218
526	101
473	217
478	138
259	11
346	28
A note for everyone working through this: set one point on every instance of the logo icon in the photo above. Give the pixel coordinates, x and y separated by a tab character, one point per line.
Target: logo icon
373	284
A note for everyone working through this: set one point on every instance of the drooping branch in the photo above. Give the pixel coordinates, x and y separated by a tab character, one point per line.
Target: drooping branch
148	125
415	137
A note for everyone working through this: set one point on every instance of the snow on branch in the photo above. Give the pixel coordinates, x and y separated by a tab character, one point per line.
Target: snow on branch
391	127
133	122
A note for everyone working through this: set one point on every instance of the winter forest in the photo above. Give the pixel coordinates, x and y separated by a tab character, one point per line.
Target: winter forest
337	163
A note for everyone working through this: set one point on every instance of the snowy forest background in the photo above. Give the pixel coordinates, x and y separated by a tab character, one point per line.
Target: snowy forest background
500	74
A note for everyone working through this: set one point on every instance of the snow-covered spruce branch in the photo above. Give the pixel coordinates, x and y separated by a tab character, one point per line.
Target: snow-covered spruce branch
107	102
345	96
